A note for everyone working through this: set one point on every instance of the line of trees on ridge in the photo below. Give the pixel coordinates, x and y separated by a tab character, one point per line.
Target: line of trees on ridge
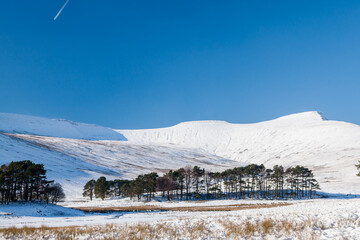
194	183
26	181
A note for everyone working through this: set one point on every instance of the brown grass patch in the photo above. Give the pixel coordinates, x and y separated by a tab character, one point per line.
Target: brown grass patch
234	207
267	225
261	228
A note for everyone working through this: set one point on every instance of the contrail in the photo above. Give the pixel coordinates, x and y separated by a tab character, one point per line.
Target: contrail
57	15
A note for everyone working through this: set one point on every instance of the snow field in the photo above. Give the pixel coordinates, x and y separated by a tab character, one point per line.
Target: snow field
314	219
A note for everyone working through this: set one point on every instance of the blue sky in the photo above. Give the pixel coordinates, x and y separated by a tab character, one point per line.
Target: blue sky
145	64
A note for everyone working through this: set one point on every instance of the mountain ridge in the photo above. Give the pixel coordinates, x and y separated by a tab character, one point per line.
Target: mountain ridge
25	124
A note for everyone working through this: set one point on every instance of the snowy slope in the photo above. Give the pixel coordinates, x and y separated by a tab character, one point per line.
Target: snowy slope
16	123
330	148
72	162
69	171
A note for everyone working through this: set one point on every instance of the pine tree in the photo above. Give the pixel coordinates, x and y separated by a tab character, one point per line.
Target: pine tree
117	184
89	189
101	188
278	178
126	190
138	186
197	173
150	184
178	178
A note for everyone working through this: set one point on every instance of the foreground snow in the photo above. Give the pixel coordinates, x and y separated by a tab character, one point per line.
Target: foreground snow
319	219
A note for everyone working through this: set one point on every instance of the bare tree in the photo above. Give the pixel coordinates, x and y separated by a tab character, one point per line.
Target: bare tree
55	193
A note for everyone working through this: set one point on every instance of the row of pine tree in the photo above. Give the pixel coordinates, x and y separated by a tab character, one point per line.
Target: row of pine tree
194	183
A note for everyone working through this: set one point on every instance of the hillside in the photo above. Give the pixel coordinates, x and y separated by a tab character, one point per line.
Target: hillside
330	148
75	152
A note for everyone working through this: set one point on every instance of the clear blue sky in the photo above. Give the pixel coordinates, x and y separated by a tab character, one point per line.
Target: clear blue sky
145	64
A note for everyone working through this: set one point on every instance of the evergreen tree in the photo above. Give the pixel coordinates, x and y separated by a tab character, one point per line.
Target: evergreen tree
126	190
149	183
178	178
101	188
278	177
89	189
116	185
197	173
138	186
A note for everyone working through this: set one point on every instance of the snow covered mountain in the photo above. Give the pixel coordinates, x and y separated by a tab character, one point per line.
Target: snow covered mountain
75	152
330	148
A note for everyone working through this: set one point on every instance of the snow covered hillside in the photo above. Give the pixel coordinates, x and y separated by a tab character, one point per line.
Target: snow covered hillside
70	172
72	162
330	148
75	152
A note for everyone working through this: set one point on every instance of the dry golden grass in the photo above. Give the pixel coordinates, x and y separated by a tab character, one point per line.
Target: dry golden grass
267	225
285	226
186	228
249	229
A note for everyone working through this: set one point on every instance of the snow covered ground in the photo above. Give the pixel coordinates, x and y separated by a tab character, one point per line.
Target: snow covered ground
163	203
318	219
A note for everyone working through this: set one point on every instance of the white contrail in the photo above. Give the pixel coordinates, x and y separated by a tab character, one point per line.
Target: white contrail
57	15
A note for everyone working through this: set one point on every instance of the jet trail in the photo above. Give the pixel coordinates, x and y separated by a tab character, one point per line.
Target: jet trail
57	15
